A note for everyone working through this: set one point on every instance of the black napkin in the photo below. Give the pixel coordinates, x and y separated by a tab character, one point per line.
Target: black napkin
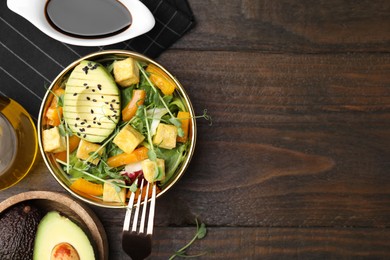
173	19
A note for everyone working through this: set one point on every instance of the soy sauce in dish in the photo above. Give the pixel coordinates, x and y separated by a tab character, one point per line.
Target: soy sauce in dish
88	18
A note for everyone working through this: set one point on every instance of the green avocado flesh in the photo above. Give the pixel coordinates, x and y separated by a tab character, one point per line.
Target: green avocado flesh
18	226
55	229
91	102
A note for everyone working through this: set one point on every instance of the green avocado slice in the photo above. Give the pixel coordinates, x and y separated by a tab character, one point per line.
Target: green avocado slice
91	102
55	229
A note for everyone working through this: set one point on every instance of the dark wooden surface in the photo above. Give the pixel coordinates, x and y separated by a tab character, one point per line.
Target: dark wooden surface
297	162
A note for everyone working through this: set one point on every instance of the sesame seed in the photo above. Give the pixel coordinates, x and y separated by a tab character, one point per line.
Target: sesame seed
85	135
99	123
82	123
92	111
94	100
88	98
74	94
85	84
99	87
77	118
93	90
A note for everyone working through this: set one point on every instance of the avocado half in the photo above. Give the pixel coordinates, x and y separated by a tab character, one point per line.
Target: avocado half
18	227
92	102
56	230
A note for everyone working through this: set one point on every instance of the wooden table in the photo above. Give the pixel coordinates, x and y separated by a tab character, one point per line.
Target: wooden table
297	161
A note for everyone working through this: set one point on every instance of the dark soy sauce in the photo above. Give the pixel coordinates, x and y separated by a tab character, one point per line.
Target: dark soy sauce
88	18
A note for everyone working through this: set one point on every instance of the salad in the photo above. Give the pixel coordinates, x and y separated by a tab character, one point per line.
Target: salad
111	124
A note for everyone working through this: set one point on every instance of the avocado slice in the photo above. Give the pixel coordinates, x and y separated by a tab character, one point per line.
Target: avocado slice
18	226
55	231
91	102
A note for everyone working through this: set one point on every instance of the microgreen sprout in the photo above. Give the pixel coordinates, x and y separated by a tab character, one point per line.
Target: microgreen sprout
201	232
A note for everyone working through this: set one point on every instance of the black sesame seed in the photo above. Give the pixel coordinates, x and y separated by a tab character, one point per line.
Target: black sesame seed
113	100
99	87
93	90
75	125
88	98
74	94
82	129
85	135
82	123
106	103
99	123
94	100
87	87
85	84
85	120
102	96
78	134
89	64
88	126
117	103
92	111
85	69
77	118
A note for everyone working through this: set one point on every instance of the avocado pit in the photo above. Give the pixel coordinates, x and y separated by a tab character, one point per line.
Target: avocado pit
64	251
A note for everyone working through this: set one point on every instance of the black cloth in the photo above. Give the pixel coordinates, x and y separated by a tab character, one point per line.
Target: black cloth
173	19
30	60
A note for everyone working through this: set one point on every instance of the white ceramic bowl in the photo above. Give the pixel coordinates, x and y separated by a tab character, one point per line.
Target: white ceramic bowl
34	11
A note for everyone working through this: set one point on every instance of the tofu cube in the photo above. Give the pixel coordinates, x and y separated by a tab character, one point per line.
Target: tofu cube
165	136
113	193
128	139
52	140
126	72
85	150
153	171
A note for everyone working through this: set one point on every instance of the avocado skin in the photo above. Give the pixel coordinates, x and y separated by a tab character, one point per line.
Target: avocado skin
18	226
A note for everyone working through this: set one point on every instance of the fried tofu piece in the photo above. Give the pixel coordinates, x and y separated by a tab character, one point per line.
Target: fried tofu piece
126	72
111	192
165	136
153	171
85	150
53	141
128	139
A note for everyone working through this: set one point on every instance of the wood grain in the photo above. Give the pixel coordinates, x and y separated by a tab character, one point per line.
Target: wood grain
290	26
296	162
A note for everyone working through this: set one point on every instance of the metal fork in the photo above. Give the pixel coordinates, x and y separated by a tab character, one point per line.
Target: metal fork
135	242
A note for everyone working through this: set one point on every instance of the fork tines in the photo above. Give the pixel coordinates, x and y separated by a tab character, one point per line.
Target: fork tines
139	227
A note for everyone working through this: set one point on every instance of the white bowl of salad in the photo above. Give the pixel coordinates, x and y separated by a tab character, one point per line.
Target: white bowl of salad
111	119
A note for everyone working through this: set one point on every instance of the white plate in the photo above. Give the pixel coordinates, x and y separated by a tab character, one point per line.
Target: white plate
34	11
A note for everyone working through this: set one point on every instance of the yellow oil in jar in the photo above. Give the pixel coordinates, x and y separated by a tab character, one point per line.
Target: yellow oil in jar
18	142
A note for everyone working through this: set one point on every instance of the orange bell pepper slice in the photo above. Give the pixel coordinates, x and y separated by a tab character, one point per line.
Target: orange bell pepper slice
161	80
137	100
184	117
137	155
74	141
54	112
87	187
